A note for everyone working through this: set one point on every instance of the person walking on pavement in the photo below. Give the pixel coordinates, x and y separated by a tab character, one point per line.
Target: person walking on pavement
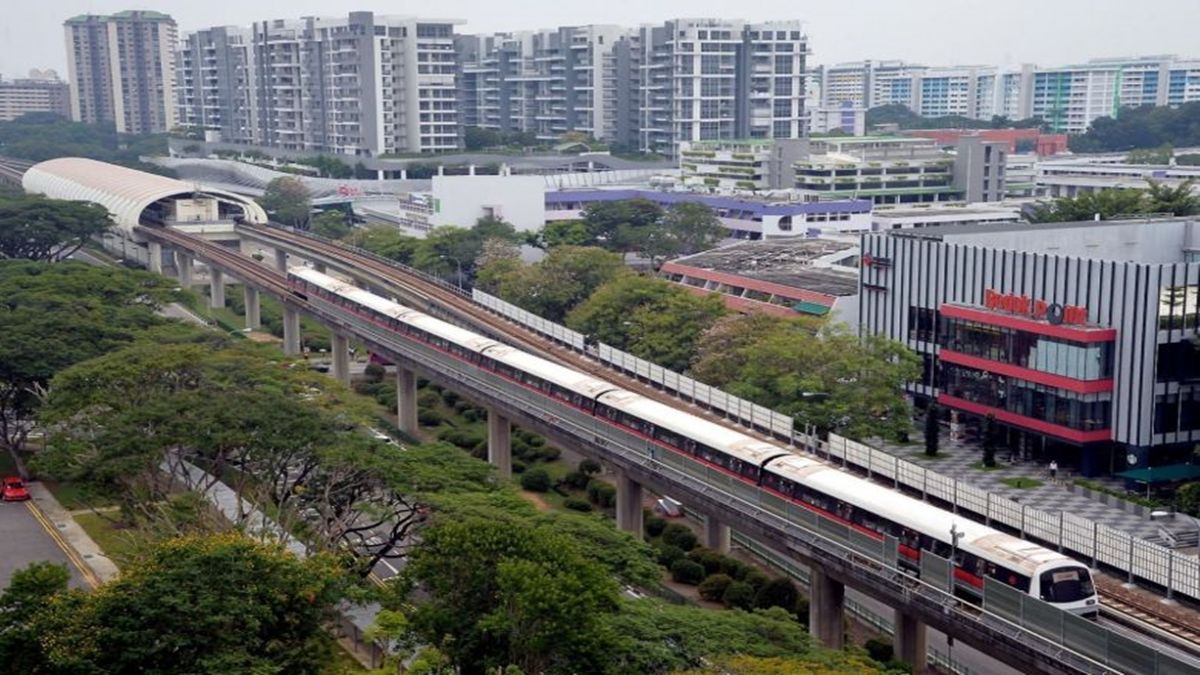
1054	470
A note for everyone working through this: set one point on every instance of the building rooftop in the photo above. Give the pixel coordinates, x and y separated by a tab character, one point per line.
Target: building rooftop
1149	240
788	262
754	208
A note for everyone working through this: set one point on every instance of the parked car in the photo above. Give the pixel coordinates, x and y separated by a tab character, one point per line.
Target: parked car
14	490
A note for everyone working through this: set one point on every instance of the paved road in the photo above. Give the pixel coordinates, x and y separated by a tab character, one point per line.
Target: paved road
23	540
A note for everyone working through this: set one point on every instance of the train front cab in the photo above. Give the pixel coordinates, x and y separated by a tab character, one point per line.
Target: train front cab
1067	586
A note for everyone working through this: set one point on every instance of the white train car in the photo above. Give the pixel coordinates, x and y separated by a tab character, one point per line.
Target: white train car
744	465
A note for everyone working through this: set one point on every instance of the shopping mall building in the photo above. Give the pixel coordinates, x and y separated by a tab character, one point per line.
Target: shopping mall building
1082	339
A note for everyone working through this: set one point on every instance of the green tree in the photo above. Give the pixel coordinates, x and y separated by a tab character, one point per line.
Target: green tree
686	571
1187	499
46	230
551	288
832	380
331	224
1161	155
566	233
384	240
778	592
1180	200
535	479
58	315
1140	128
652	319
287	201
713	587
617	225
213	604
738	595
498	590
30	590
686	227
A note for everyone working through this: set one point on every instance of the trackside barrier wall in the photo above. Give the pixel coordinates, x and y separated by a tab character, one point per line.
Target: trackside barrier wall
1088	540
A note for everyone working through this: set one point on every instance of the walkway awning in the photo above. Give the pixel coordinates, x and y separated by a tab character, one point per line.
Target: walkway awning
1172	473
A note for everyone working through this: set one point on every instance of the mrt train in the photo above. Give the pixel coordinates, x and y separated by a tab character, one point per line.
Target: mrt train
766	474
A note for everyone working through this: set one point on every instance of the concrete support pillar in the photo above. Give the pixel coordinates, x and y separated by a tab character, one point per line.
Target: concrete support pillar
470	169
253	308
500	443
340	346
154	257
281	261
716	535
406	400
380	175
403	174
827	609
629	504
291	331
216	288
910	643
183	265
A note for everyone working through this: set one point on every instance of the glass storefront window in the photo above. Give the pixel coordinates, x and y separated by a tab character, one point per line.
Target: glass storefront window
1086	412
1077	360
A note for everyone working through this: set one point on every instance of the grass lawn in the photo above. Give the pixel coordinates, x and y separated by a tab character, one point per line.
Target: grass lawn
117	544
1021	482
74	497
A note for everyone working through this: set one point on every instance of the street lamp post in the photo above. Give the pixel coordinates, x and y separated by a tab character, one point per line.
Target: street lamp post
954	537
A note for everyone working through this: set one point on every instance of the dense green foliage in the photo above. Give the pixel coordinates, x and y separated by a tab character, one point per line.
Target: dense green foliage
650	318
287	201
40	136
830	379
61	314
478	138
215	604
551	288
902	115
1159	198
38	228
331	224
642	226
1144	127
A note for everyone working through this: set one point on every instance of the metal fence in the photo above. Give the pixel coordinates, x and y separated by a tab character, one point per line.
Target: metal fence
1091	541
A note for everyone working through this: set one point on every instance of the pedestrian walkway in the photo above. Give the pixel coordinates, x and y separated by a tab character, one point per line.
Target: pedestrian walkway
961	459
95	566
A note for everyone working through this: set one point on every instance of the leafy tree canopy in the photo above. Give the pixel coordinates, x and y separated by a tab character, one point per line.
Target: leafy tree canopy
650	318
287	201
555	285
214	604
905	118
40	136
1180	200
331	224
831	379
42	229
1143	127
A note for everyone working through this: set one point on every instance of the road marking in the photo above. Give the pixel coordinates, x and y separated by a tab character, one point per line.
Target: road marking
86	572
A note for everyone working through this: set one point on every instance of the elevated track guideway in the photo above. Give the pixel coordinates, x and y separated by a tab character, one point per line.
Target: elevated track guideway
837	553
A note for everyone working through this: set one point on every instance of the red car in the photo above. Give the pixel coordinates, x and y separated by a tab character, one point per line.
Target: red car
14	490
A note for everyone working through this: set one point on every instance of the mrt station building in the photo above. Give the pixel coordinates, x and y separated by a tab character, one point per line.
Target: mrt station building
1081	340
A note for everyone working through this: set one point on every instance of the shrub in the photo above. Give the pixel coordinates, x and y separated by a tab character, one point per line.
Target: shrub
517	466
577	504
679	535
778	592
450	397
589	466
549	453
879	650
374	372
428	399
429	418
576	480
713	587
472	414
709	558
1187	499
535	480
602	494
755	578
735	568
669	555
686	571
738	595
654	526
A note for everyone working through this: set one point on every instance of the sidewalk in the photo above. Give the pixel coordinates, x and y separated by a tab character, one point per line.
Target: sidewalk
97	567
958	460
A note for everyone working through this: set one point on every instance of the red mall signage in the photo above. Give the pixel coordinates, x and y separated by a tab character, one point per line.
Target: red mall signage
1037	309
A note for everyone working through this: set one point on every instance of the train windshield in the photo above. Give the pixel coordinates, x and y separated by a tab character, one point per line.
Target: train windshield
1067	584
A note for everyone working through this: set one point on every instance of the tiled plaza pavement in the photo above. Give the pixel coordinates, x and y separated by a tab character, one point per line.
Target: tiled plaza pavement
958	459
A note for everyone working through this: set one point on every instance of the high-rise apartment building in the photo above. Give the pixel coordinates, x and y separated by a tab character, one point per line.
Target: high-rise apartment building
649	88
363	85
1069	98
545	82
42	91
122	70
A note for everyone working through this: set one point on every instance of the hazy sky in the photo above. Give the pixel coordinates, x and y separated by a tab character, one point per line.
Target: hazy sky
936	32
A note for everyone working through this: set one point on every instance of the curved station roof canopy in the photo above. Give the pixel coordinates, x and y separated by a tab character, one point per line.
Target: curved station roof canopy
127	193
